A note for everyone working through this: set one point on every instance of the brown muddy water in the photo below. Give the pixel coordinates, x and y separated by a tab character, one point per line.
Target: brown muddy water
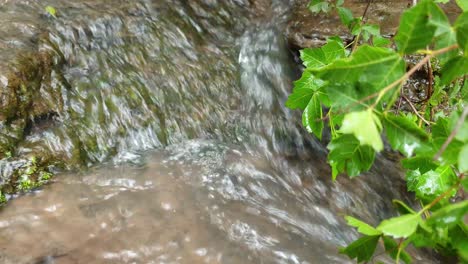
199	202
177	110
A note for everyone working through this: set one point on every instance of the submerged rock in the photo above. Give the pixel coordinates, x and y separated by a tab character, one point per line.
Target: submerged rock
104	80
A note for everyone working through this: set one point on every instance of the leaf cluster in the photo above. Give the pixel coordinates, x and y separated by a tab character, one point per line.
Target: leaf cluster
353	93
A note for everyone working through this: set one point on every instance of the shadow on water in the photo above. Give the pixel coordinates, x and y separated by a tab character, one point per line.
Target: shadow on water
185	103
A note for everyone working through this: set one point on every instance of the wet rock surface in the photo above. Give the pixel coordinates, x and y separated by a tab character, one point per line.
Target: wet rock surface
79	88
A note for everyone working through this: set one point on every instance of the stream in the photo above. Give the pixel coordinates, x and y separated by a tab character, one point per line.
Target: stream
177	110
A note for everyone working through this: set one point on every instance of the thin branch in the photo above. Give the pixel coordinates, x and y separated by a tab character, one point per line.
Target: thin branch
415	110
439	198
409	73
430	79
363	20
453	134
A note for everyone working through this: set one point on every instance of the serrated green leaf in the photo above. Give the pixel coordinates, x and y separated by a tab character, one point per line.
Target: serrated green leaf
317	6
422	238
461	27
421	163
440	132
369	30
367	64
412	179
391	248
346	16
362	227
402	207
449	215
464	183
463	159
348	155
346	97
365	126
454	68
366	72
403	134
361	249
312	116
444	34
415	31
401	226
463	4
380	41
462	134
434	183
438	94
315	58
304	88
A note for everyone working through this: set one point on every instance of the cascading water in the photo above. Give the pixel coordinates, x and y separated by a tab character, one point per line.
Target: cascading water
187	98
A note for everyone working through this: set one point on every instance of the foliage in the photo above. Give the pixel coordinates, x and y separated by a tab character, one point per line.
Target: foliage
50	10
355	90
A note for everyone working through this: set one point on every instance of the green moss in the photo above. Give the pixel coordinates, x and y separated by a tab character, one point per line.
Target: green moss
2	198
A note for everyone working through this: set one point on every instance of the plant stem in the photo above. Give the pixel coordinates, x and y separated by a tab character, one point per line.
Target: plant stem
363	20
416	111
408	74
440	197
453	134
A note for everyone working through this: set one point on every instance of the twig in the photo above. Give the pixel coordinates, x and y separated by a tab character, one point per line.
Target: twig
363	20
415	110
453	134
440	197
430	79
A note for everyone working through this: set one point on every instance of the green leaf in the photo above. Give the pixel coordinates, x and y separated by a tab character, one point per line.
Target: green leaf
366	72
365	126
304	88
444	34
402	207
369	30
403	134
361	249
461	27
347	155
434	183
421	163
367	64
317	6
454	68
449	215
391	248
464	183
51	11
401	226
463	159
459	236
346	97
380	41
415	32
346	16
463	4
362	227
440	132
462	134
312	116
314	58
412	179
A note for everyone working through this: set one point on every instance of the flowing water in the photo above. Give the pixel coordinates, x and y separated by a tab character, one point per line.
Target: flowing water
182	104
